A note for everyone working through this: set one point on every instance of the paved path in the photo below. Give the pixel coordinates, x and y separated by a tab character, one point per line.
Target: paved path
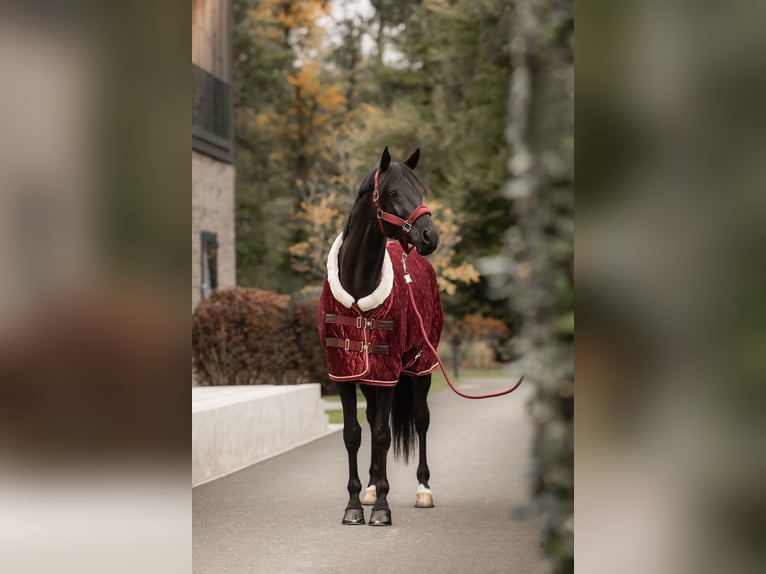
283	514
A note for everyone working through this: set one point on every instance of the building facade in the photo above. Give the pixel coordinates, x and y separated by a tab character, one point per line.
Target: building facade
213	239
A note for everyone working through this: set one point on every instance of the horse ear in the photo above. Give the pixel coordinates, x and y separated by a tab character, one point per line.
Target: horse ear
412	161
385	160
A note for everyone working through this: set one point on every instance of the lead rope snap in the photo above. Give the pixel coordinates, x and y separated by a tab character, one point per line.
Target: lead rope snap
407	277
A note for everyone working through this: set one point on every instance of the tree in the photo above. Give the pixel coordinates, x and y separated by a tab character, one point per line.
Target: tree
450	80
263	62
535	271
288	110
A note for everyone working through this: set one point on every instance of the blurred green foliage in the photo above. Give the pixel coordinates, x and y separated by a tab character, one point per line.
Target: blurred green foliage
536	270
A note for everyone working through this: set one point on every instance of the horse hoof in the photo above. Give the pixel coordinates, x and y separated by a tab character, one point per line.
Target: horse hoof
423	497
369	496
353	516
380	517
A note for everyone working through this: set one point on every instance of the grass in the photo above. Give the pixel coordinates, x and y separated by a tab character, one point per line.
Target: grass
438	383
336	416
359	396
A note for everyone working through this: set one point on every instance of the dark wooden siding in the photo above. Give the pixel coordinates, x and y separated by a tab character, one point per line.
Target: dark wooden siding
211	37
212	130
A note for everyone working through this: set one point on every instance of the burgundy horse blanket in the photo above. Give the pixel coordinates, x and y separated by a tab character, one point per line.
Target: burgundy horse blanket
376	338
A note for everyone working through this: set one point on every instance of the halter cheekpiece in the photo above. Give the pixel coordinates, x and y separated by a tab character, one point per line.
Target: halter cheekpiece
405	224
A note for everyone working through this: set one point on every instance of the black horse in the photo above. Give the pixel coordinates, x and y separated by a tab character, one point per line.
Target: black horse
388	197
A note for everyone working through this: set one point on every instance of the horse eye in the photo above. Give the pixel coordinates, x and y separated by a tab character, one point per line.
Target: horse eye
392	193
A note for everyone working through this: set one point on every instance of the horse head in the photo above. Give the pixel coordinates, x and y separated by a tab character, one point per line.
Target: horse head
400	192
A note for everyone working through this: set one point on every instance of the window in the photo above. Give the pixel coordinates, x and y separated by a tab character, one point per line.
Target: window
212	131
209	263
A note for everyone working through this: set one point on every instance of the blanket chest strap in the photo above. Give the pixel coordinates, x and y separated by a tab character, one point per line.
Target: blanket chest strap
349	345
358	322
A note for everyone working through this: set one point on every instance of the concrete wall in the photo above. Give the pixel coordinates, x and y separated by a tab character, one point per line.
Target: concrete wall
213	210
233	427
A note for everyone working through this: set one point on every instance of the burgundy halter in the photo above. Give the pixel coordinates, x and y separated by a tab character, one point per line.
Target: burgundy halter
405	224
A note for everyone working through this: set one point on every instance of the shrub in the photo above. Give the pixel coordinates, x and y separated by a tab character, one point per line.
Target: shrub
475	326
305	313
249	337
245	336
481	340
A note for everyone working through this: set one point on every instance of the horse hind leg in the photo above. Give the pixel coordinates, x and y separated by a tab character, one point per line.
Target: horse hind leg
424	497
370	494
421	385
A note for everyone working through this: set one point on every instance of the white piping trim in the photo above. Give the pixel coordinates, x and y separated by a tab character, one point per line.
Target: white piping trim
368	302
379	383
431	369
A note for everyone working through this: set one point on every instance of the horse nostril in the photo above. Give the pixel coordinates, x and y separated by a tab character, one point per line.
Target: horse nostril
426	237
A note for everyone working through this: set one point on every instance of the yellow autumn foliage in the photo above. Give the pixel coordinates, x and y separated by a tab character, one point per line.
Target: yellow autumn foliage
317	104
323	219
449	274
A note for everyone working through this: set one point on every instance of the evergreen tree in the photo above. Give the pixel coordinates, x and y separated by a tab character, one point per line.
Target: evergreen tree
287	111
536	270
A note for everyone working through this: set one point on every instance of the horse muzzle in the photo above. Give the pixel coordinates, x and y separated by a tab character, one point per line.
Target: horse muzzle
425	240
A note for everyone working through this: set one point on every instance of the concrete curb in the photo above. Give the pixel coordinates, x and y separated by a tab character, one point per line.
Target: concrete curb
234	427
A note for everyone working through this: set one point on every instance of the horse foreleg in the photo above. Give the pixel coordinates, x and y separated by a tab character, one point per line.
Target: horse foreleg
352	437
421	385
369	496
381	513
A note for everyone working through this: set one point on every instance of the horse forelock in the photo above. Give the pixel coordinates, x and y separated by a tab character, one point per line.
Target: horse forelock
414	180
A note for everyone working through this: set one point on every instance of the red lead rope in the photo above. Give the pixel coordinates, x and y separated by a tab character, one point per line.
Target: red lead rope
408	280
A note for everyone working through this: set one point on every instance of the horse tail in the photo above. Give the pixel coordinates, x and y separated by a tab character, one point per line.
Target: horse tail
403	418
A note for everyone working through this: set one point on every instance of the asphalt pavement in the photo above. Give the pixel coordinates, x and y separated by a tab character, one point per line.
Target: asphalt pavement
283	515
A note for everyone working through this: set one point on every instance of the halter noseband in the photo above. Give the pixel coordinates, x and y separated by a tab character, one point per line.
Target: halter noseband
405	224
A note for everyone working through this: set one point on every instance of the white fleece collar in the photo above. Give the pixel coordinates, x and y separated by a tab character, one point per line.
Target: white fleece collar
374	299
